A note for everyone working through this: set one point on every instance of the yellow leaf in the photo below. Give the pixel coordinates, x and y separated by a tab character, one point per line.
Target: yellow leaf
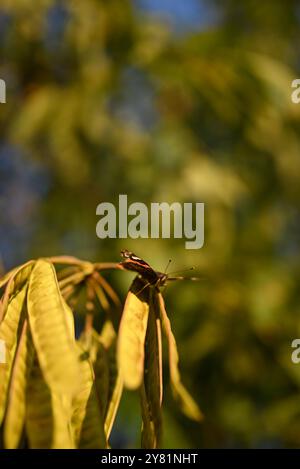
50	327
131	337
5	278
108	334
69	317
48	414
89	342
9	330
186	402
99	357
15	280
87	418
15	414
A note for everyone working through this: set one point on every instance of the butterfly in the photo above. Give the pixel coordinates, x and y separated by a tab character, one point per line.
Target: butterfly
153	277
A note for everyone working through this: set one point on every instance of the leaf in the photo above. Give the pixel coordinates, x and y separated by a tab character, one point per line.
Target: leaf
107	339
113	405
115	390
148	439
62	412
50	325
5	278
15	414
16	279
38	419
9	332
89	342
87	418
186	402
99	357
69	318
66	272
48	414
108	334
131	337
157	342
151	390
101	370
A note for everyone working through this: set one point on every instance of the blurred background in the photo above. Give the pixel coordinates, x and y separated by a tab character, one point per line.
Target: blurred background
169	100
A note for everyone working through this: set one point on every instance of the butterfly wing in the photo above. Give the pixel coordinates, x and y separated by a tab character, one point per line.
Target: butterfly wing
136	264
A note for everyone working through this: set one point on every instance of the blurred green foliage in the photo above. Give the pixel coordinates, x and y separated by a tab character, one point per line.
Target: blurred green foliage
105	99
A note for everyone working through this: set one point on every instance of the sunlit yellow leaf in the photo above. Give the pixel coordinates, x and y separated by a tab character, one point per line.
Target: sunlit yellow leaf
108	334
186	402
9	331
15	281
89	341
15	414
48	414
70	318
5	278
50	327
87	418
99	357
131	337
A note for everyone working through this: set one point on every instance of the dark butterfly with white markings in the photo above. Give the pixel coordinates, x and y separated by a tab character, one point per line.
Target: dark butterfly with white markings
153	277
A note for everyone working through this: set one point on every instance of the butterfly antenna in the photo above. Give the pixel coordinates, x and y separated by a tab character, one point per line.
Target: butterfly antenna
167	266
181	271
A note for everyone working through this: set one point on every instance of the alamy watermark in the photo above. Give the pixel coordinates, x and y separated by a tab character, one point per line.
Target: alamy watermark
295	356
2	92
295	96
161	220
2	351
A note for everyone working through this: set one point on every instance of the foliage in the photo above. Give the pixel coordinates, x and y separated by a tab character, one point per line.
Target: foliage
105	99
59	392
